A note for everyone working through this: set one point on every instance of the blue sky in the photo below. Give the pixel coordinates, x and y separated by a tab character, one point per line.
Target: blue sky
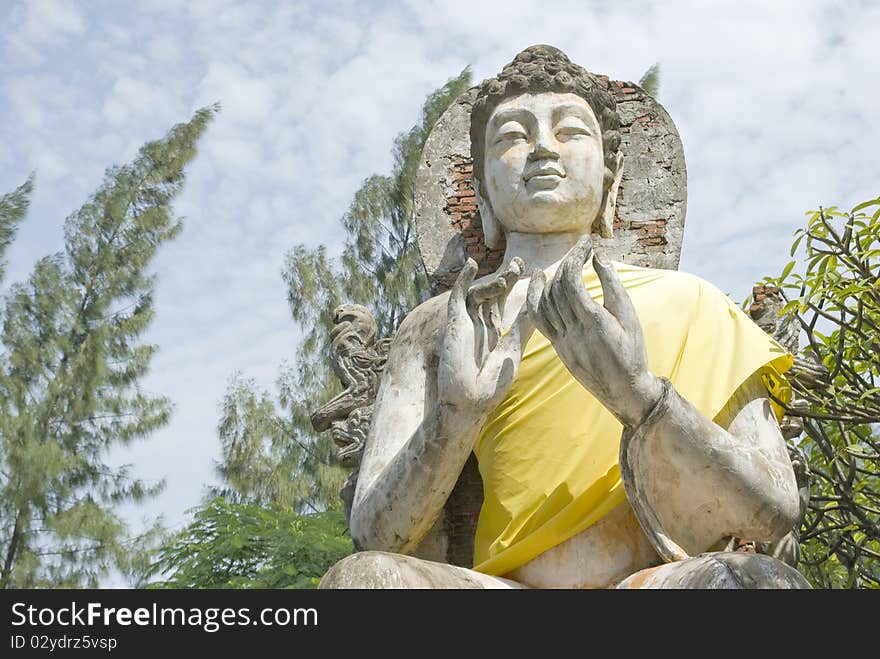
777	107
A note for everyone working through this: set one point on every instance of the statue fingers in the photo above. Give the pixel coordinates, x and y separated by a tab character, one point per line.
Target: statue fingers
482	293
577	256
482	305
458	295
463	339
617	300
485	303
506	376
534	299
511	275
499	286
573	303
549	311
513	272
491	314
572	291
570	271
458	358
564	303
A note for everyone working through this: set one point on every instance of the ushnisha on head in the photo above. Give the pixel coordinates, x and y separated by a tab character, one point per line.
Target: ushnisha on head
538	76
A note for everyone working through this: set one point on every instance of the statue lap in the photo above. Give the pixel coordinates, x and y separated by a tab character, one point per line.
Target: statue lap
715	570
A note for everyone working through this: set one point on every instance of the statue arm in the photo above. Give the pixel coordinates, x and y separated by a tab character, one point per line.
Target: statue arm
449	367
415	449
690	480
415	452
705	480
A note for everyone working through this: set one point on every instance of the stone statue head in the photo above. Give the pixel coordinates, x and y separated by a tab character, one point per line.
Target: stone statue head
546	148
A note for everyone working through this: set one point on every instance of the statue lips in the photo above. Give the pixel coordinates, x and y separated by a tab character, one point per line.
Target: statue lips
543	178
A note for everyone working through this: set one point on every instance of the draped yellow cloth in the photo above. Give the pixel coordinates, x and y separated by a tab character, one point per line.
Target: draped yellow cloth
548	455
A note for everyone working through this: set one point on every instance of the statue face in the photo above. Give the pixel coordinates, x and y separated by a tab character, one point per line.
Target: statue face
544	164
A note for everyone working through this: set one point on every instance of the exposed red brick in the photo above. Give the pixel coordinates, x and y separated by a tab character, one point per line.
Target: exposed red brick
464	216
651	241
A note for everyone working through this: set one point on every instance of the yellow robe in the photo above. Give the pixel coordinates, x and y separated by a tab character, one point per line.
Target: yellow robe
548	455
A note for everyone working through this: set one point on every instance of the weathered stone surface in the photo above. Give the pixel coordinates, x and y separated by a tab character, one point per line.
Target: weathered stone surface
445	226
720	570
651	205
377	569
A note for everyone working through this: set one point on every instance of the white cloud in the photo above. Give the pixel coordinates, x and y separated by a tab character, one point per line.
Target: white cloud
38	25
131	99
244	97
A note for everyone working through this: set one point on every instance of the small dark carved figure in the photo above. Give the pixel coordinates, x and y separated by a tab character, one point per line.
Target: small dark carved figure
358	360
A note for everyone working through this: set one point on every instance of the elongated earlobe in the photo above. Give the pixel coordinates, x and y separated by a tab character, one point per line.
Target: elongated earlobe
492	231
604	223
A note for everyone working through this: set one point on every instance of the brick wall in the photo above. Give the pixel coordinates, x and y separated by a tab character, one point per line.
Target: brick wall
461	207
760	295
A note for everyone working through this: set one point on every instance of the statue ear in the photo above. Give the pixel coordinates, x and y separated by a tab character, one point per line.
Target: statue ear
492	231
603	225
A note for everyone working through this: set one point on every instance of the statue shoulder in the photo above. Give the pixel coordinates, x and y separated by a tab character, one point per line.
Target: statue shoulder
677	287
706	291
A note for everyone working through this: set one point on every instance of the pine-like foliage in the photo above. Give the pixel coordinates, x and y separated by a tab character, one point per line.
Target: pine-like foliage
650	81
270	452
13	207
70	373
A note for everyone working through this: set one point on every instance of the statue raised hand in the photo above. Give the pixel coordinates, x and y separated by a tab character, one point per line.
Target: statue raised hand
602	346
478	361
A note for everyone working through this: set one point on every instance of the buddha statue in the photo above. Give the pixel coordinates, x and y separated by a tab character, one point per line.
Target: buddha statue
621	416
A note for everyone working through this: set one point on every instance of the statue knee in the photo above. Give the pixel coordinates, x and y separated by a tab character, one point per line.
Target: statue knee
366	569
720	570
379	569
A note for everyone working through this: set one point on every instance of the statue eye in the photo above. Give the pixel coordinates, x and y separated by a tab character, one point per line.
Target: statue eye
510	132
571	132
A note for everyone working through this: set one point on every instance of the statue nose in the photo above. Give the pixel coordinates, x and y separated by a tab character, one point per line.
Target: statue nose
544	148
